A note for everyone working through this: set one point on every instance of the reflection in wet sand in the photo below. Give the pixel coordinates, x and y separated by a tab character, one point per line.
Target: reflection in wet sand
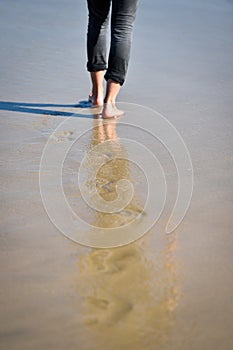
129	298
117	167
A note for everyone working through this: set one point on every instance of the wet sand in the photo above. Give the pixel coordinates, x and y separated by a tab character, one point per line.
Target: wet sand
163	291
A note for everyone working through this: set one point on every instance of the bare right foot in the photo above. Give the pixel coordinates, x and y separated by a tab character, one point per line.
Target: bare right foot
110	111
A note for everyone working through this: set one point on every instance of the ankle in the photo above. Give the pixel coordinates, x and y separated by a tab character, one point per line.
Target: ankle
110	100
99	100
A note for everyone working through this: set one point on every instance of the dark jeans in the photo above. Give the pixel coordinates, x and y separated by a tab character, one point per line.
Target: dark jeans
122	19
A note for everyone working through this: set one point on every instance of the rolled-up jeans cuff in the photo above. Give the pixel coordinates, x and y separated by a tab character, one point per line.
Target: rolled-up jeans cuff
115	77
96	67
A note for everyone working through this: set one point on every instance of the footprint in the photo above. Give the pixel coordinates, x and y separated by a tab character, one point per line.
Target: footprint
120	309
63	136
104	312
99	303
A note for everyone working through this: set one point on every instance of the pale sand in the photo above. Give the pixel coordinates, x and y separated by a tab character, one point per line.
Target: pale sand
162	292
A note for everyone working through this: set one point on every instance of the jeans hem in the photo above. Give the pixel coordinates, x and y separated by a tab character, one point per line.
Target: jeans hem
95	68
114	77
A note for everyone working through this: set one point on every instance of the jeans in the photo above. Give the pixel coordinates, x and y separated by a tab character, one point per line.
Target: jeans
123	14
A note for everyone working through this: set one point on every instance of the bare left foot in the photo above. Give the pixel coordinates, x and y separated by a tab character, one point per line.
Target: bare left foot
96	96
95	100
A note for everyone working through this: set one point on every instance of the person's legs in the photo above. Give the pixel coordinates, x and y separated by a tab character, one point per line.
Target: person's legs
122	20
97	46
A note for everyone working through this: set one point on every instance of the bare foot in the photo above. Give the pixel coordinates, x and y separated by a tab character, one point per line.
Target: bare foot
111	111
96	97
96	101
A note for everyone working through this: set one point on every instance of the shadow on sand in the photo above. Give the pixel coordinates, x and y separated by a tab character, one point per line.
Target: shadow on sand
41	108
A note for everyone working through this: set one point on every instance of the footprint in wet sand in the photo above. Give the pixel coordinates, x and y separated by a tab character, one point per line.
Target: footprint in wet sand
105	312
63	136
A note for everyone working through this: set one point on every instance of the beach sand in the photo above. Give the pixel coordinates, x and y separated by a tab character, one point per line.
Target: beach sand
163	292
